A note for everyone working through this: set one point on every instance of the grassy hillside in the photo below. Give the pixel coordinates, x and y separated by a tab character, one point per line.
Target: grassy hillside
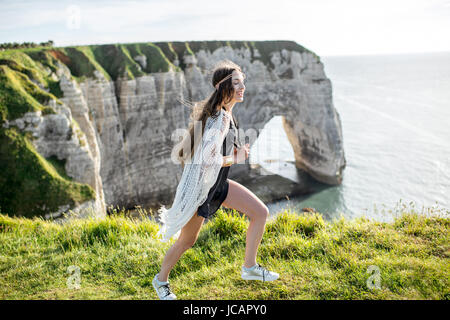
118	257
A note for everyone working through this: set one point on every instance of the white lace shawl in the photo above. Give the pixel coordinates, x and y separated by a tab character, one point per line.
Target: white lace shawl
198	177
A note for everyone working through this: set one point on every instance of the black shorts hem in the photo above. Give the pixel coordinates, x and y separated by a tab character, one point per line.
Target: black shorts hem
222	195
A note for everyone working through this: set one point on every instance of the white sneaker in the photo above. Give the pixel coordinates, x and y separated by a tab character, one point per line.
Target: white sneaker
163	290
258	272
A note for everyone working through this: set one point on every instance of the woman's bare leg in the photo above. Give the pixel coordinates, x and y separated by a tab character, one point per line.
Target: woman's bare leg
186	240
242	199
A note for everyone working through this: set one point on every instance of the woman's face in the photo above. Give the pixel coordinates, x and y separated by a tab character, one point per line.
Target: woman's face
237	80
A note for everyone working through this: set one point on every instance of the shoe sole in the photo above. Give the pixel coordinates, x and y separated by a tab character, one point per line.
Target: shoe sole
257	278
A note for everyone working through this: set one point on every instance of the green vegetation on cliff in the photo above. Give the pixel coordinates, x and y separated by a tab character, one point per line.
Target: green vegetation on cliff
117	258
31	185
81	62
118	60
24	85
115	61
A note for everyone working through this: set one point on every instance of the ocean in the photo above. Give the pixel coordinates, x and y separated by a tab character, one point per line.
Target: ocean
395	113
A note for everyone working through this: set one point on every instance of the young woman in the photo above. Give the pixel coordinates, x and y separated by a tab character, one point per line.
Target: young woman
214	113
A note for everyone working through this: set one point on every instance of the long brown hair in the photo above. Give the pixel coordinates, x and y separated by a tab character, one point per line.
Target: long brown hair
209	107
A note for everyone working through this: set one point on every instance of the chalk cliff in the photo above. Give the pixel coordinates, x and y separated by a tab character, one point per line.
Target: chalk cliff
110	111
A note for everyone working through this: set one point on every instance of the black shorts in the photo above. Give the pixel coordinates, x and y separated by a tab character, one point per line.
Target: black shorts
208	208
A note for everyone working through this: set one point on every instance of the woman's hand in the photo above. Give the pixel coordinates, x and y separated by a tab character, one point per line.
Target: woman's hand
241	154
227	161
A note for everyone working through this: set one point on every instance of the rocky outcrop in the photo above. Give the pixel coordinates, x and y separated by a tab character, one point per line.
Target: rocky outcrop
89	165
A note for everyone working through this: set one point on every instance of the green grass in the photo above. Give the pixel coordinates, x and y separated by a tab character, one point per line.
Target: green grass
23	74
156	58
19	95
118	257
116	60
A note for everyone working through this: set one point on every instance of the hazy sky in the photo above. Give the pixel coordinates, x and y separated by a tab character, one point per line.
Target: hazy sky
327	27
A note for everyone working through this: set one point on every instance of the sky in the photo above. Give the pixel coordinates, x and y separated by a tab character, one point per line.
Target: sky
327	27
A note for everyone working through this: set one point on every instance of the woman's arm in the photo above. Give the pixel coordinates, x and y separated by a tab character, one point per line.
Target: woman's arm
238	156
